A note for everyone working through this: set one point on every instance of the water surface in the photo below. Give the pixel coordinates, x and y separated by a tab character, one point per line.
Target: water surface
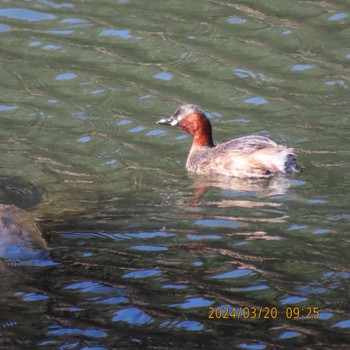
141	252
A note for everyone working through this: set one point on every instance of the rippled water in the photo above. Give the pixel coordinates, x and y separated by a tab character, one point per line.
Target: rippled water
142	255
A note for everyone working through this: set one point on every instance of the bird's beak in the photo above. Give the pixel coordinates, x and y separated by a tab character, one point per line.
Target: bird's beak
168	121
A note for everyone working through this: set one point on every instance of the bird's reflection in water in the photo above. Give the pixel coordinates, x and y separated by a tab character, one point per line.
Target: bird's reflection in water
243	187
250	194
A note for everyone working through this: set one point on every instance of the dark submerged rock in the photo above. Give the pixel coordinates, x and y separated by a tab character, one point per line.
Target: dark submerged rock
20	238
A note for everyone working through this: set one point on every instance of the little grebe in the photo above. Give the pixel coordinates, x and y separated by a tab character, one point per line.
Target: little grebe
252	156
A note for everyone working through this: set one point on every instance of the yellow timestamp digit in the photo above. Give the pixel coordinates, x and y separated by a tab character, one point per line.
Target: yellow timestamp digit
312	312
302	312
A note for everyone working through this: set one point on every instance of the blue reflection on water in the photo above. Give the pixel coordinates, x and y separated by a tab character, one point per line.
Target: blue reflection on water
252	346
73	20
51	47
320	231
122	33
141	274
66	76
339	217
93	287
137	128
244	73
15	254
288	335
256	101
35	43
4	28
301	67
325	315
149	248
217	223
194	303
163	76
150	234
35	297
7	108
256	288
133	316
156	133
91	333
84	139
236	20
174	286
25	15
190	325
62	31
297	227
124	122
125	33
293	300
317	201
233	274
185	325
112	161
342	324
202	237
114	301
338	16
55	5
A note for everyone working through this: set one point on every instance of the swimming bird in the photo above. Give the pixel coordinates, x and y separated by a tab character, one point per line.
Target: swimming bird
252	156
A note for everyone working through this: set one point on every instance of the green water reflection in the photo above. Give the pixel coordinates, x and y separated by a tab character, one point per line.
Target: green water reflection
139	250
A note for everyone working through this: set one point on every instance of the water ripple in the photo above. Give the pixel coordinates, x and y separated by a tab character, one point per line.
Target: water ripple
133	316
142	274
141	245
89	333
25	14
233	274
4	28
